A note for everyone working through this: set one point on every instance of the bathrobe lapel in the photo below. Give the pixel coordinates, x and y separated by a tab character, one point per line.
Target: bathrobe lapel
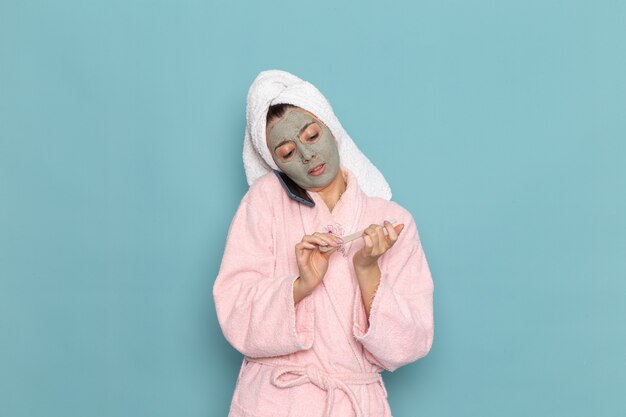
343	220
345	216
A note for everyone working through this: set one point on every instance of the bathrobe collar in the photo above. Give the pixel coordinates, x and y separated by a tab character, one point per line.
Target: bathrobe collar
344	217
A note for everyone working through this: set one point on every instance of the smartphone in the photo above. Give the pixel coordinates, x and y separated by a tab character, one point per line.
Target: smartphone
293	190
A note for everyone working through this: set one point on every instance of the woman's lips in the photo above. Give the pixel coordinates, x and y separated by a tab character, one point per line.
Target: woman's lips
318	171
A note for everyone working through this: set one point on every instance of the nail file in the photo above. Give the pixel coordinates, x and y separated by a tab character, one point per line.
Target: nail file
353	236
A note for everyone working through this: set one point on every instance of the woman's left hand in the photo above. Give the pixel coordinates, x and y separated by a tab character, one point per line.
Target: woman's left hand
376	244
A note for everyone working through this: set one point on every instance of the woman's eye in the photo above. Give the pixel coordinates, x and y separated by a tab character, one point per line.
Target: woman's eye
314	137
288	154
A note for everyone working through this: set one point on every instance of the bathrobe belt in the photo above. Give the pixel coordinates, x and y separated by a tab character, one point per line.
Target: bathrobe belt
324	380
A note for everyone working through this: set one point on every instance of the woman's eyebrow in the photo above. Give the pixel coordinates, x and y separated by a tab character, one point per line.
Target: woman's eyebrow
304	127
301	130
281	144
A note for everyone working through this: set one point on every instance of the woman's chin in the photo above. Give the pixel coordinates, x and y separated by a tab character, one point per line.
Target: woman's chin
323	181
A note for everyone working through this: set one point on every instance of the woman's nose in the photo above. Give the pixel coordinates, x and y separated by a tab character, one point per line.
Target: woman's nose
306	153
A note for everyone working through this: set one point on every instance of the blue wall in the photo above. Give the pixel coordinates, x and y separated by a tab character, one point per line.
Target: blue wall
500	125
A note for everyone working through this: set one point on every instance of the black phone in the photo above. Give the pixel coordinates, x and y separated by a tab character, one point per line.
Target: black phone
293	190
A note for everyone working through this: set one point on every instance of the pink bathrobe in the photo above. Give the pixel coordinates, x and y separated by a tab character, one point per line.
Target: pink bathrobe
319	357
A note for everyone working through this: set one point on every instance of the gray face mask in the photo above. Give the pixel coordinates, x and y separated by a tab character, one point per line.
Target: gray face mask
298	143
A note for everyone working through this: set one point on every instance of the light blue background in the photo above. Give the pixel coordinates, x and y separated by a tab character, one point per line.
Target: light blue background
500	125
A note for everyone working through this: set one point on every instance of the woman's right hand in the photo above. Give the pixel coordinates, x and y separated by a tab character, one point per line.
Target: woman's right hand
313	263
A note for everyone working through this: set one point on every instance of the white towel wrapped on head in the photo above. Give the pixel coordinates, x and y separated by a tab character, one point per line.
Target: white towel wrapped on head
281	87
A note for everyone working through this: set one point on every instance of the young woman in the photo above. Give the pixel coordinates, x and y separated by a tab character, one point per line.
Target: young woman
317	326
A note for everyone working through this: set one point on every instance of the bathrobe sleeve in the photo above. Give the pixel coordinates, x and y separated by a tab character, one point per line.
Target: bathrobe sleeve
400	327
255	308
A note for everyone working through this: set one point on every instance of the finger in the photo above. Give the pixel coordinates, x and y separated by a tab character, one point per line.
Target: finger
369	244
327	237
318	240
382	241
338	238
372	229
330	251
398	228
376	233
369	231
302	246
392	235
314	240
303	251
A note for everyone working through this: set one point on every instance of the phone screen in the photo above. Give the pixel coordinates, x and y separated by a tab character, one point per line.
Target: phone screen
294	190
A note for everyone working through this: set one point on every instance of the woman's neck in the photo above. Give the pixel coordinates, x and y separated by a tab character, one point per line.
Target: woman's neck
333	191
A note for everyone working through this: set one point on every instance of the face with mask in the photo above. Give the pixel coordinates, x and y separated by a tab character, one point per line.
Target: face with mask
304	149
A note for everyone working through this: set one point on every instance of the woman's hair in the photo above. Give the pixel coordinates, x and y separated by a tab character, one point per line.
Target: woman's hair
277	110
274	112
